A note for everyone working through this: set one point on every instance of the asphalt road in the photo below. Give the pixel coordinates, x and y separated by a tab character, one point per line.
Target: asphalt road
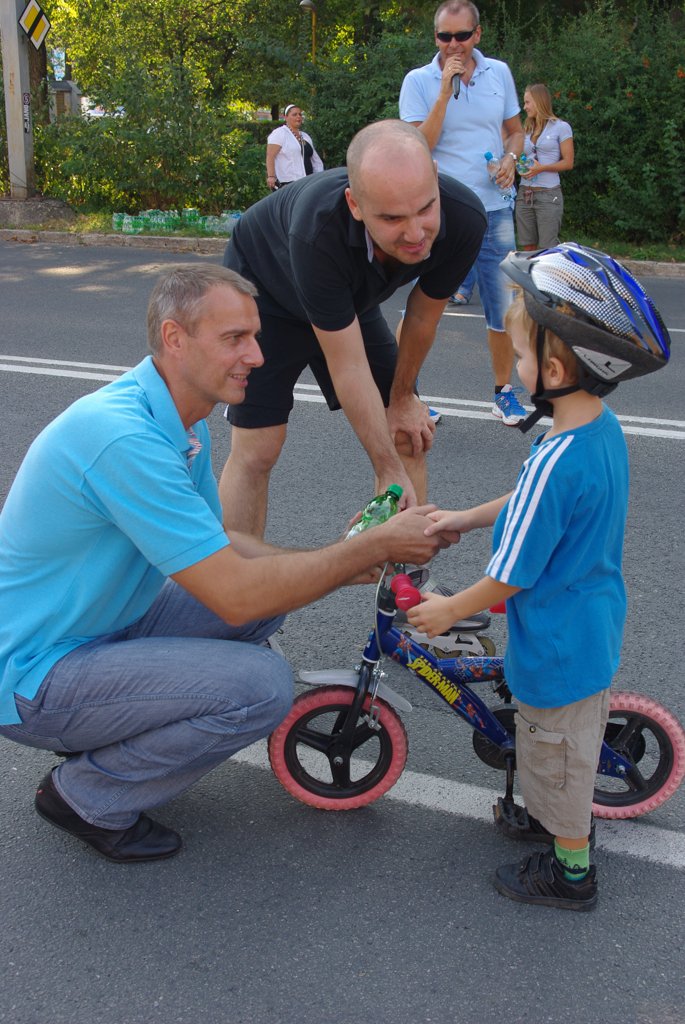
278	914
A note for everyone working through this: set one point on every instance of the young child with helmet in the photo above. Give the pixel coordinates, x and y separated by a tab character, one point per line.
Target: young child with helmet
580	324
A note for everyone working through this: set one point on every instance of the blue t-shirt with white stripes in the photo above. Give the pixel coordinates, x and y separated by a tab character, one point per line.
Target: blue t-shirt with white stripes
560	538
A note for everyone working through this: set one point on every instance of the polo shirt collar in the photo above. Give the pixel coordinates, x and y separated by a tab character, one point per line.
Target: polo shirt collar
162	405
482	62
356	233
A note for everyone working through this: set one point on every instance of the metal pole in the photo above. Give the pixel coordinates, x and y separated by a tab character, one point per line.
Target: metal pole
309	5
15	67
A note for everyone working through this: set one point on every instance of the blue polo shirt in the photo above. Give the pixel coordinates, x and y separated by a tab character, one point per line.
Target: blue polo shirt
473	122
104	507
560	538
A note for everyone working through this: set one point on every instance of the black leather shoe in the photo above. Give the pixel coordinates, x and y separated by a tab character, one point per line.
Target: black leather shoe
146	840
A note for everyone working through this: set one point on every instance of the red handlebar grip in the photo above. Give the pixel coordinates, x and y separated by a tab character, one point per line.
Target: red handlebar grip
499	609
406	594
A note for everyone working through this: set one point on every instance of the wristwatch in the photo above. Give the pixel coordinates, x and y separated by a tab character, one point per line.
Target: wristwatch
513	156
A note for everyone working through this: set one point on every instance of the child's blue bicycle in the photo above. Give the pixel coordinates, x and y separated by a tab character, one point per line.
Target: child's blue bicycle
343	744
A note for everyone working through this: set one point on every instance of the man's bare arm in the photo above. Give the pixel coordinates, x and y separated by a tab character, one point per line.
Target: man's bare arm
417	335
362	403
240	589
431	128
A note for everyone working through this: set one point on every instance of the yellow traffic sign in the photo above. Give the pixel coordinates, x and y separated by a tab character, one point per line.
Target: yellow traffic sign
35	23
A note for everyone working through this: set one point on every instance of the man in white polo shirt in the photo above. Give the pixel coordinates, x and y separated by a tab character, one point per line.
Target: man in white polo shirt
483	118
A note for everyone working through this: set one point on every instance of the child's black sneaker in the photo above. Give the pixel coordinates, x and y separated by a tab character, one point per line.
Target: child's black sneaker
516	823
540	880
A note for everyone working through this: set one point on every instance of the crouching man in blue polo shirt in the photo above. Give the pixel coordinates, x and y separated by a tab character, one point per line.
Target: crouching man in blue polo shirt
132	627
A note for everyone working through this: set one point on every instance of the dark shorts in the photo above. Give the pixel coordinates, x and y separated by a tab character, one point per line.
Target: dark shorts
291	345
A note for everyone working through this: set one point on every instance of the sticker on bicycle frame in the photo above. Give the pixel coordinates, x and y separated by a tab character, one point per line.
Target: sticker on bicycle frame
436	679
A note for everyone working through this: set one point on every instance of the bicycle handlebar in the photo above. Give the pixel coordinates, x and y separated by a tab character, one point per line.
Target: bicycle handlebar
406	594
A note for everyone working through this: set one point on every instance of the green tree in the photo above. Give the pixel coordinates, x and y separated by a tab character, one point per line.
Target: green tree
185	74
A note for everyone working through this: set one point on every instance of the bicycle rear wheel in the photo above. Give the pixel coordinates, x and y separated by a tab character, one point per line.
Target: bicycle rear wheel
309	760
652	741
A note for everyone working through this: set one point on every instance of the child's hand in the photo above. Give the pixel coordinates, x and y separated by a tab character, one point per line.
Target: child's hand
450	525
433	616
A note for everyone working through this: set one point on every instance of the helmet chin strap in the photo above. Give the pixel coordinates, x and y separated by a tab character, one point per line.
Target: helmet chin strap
541	397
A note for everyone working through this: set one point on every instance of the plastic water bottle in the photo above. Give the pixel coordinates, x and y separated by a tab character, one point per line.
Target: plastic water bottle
378	510
524	163
493	168
132	225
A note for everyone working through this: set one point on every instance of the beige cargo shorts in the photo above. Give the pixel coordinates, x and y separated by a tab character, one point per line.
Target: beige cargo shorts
557	752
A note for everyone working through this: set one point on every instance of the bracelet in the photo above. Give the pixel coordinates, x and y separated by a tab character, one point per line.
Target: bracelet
513	156
271	176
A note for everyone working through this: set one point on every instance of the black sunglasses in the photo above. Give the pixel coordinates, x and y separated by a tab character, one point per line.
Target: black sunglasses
461	37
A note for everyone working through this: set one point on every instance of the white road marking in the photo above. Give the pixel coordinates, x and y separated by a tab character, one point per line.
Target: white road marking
462	407
626	837
480	316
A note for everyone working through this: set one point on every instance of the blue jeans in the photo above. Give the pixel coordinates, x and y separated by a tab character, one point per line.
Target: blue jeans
154	707
494	287
468	284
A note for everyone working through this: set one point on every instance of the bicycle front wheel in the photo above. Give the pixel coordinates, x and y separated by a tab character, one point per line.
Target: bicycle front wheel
652	741
310	760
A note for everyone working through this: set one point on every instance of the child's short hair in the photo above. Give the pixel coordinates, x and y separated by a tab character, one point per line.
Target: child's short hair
518	316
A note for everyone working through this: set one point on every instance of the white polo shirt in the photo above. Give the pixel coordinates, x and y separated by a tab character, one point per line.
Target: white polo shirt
473	122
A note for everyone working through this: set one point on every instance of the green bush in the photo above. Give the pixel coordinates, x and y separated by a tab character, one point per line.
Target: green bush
167	148
620	83
362	86
618	79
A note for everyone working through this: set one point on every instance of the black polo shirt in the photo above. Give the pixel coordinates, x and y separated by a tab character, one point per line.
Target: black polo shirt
308	256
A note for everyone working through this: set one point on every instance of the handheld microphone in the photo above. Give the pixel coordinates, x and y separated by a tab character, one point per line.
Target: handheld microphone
456	85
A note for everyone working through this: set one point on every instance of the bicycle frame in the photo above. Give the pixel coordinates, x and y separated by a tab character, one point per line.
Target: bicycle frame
343	744
449	678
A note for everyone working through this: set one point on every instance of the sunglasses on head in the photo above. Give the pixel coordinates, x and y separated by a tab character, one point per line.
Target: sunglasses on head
461	37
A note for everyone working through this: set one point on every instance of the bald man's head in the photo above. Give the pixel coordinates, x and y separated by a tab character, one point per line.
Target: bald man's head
385	143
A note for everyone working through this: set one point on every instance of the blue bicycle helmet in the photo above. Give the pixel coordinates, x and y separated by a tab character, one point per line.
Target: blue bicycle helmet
614	330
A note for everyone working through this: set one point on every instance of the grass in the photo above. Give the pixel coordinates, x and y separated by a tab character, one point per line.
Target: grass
658	252
101	223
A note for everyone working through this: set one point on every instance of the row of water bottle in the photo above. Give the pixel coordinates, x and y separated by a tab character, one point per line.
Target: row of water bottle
523	164
173	220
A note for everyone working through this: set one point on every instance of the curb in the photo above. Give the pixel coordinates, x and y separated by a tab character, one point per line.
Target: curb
160	242
212	246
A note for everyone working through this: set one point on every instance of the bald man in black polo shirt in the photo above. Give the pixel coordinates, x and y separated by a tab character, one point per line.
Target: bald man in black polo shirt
324	253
